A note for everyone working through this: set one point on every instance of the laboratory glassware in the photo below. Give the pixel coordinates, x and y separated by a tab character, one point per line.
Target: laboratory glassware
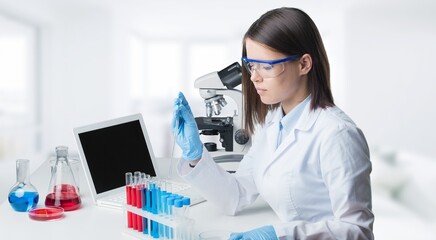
75	167
23	196
62	190
46	213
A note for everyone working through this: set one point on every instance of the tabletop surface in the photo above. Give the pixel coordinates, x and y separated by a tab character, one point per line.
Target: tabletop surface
91	221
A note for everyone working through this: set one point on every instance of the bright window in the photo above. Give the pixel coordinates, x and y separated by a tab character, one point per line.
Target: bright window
18	91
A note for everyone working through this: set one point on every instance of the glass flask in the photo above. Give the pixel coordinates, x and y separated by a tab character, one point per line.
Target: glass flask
62	191
23	196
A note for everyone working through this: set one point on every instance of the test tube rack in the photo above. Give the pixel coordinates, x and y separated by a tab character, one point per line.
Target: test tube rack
153	212
162	221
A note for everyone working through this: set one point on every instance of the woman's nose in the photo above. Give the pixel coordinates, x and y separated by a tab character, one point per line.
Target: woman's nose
255	77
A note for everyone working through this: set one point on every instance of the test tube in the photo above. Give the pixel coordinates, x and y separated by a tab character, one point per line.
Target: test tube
178	218
133	201
178	209
162	227
148	195
128	197
144	193
170	204
158	195
138	199
186	204
188	229
164	204
154	195
163	185
187	226
151	195
168	187
139	188
169	232
138	183
144	190
155	229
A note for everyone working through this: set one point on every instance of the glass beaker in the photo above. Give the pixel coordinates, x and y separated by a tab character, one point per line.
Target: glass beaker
62	191
23	196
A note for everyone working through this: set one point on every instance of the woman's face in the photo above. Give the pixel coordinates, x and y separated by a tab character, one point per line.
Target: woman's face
289	88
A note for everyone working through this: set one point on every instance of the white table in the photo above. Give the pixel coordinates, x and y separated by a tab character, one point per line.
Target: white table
92	222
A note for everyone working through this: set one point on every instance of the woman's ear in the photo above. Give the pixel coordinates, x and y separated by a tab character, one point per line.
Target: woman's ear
305	64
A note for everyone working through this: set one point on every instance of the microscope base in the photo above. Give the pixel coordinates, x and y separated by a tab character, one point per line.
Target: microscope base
229	161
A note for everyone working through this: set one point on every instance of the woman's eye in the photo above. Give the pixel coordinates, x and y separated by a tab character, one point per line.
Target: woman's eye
267	67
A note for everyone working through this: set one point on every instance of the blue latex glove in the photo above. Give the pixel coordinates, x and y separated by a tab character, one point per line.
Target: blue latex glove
262	233
185	130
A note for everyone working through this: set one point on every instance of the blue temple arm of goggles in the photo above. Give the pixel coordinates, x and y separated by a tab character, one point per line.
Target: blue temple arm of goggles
290	58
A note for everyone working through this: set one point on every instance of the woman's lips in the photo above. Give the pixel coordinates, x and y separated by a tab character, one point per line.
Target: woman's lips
260	91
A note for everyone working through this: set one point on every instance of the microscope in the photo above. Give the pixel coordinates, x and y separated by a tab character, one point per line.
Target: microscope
234	140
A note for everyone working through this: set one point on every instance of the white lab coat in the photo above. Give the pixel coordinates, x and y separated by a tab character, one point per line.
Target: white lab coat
317	181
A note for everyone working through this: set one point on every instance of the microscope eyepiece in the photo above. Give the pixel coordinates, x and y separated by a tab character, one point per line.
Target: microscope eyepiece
231	76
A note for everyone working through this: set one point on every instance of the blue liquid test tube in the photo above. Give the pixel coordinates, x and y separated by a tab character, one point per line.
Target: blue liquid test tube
145	225
163	201
153	208
153	198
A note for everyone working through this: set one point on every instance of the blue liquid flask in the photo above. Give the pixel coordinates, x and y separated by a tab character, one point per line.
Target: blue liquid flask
23	196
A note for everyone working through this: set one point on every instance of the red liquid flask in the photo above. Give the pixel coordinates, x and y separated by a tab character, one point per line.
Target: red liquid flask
63	190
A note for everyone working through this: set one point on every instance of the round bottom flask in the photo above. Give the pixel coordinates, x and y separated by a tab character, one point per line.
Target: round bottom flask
23	196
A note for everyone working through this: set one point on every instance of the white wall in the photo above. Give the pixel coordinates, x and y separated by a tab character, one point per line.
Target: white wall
390	61
79	80
381	57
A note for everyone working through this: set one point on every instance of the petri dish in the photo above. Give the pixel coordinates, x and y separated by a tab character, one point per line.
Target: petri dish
214	235
46	213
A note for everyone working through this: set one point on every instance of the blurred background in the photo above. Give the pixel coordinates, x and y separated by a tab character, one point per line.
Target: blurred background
68	63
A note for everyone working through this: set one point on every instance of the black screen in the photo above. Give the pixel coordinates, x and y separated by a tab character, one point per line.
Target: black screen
112	151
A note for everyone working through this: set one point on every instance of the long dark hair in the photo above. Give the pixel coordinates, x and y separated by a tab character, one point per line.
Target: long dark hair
291	32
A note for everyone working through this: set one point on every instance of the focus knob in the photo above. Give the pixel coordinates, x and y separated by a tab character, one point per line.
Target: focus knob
241	136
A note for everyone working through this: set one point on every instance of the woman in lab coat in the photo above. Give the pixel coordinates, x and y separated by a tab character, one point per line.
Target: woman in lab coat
308	159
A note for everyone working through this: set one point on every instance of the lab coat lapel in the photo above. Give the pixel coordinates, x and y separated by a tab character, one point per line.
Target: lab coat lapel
273	131
306	121
272	134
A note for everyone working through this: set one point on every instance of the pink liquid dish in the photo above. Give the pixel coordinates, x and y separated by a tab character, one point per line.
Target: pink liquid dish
46	213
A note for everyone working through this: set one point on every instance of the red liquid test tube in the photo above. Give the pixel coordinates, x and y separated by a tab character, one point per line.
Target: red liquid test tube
138	189
134	222
139	223
138	196
133	200
133	196
129	179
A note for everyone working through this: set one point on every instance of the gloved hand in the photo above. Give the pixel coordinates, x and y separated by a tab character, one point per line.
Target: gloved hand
185	130
262	233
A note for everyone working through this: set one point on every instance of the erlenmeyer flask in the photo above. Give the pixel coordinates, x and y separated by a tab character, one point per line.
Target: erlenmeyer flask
62	191
23	196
